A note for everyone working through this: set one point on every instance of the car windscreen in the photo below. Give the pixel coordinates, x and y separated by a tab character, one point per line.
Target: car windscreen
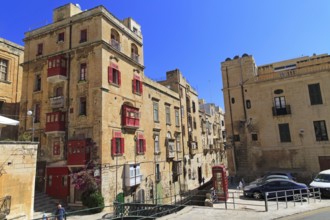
322	178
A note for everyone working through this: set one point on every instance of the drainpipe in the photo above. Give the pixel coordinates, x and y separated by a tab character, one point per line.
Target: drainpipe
66	135
242	89
231	121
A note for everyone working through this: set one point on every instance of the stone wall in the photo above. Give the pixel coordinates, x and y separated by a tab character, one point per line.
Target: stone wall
17	176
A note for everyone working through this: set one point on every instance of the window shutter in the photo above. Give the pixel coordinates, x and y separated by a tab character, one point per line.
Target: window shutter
122	145
113	146
137	146
141	87
119	78
144	145
134	85
110	74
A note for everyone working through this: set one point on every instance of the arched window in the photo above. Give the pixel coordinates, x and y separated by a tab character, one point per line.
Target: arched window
134	52
115	39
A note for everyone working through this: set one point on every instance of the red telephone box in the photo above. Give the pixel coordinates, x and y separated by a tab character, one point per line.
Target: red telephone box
220	182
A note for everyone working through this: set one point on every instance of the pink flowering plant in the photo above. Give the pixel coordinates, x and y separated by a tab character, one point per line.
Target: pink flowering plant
84	179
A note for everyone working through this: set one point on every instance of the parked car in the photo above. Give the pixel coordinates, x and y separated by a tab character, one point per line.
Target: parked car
258	190
282	173
265	178
322	181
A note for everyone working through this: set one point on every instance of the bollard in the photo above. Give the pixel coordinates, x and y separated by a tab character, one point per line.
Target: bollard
286	199
266	202
234	199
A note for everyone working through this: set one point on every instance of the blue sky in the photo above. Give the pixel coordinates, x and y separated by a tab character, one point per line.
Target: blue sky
196	36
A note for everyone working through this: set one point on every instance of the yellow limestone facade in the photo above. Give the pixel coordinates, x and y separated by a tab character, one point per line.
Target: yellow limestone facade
84	81
17	176
277	115
11	74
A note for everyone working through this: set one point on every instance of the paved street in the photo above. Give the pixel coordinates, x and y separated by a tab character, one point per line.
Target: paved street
244	209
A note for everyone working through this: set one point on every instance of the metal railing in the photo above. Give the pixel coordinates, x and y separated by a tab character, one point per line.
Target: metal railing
5	204
297	196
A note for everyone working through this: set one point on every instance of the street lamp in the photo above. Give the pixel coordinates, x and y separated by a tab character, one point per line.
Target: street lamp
30	113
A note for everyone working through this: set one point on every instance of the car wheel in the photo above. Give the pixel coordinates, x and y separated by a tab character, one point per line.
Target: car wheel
257	195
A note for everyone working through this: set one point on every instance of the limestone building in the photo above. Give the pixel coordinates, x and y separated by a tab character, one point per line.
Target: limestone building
213	137
277	115
192	151
11	56
84	82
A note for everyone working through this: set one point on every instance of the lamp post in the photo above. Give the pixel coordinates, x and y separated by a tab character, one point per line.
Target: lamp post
30	113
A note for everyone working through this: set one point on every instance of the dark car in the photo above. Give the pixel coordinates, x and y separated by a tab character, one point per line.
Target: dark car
283	173
258	190
265	178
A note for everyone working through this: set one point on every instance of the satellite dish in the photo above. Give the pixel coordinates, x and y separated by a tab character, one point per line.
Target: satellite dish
78	6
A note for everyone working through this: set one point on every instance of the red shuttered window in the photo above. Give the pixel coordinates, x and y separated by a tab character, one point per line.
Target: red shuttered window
137	85
117	144
114	75
140	144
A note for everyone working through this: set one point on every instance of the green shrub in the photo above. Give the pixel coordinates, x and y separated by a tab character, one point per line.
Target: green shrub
93	200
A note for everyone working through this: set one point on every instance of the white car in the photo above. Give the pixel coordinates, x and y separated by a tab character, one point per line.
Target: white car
322	181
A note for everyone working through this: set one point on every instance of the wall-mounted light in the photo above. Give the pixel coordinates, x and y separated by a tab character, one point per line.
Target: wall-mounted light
30	113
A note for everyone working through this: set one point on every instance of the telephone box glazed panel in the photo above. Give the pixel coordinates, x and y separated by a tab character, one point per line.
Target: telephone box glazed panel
220	182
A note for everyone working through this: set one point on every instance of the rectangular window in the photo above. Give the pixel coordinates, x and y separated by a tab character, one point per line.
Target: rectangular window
320	129
315	94
156	143
60	37
83	106
83	72
56	148
114	75
193	107
83	35
195	124
280	106
140	145
37	113
168	114
157	172
117	146
284	132
40	48
177	118
155	109
178	143
59	91
236	137
254	137
3	69
37	82
64	181
279	102
137	86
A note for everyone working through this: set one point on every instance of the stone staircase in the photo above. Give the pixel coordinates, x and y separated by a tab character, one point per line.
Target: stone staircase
44	204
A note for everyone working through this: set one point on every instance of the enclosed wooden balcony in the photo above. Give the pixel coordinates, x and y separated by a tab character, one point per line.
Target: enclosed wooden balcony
55	122
78	152
57	69
130	117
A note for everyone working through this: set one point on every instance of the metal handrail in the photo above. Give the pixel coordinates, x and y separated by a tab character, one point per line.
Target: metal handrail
5	204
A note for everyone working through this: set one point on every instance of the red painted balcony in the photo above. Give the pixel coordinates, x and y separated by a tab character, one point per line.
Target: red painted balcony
78	152
130	117
55	122
57	69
